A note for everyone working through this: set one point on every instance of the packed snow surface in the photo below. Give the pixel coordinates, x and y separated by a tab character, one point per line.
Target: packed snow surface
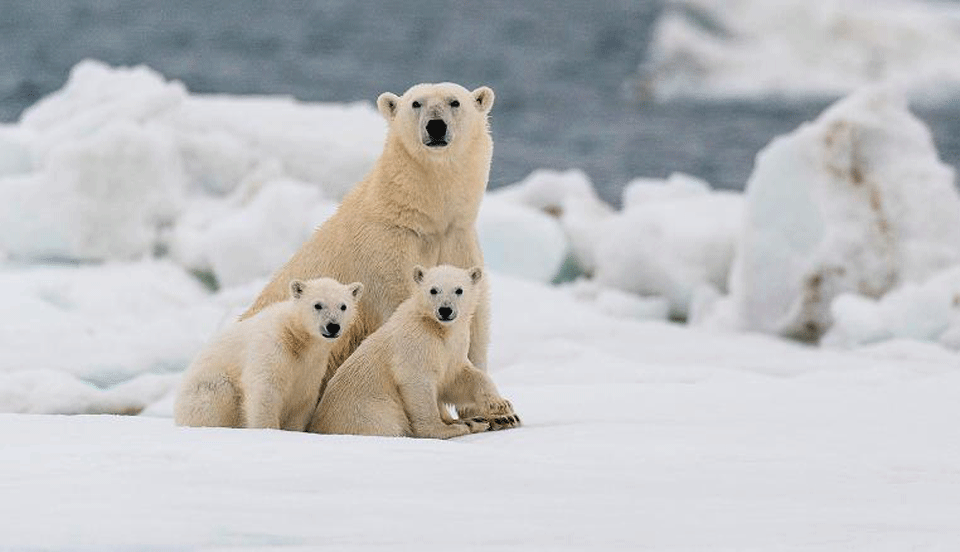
797	48
637	434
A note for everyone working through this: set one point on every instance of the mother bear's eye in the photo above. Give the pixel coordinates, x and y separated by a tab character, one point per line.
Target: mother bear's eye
343	307
416	105
318	306
434	291
455	103
459	291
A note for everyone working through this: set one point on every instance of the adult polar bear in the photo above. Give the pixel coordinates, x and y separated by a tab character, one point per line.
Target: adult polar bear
418	206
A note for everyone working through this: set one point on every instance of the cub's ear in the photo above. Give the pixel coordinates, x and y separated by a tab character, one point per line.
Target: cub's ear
483	98
418	274
476	273
296	288
356	289
387	104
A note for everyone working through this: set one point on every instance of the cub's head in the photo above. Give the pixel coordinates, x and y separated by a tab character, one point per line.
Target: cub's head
435	119
447	292
326	306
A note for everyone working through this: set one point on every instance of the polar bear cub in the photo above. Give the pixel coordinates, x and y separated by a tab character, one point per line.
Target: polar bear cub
400	380
266	371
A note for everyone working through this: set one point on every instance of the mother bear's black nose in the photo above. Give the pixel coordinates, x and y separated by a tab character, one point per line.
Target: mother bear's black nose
445	313
437	129
333	329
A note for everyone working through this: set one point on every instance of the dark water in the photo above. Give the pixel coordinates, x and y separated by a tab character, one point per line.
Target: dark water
559	70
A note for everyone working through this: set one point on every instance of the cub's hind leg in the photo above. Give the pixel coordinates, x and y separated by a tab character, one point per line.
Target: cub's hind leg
211	402
379	417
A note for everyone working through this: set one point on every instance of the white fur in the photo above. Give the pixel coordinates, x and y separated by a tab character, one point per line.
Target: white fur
417	207
400	379
266	371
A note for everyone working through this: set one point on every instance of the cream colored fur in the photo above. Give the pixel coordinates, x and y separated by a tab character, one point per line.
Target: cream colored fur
418	206
266	371
401	378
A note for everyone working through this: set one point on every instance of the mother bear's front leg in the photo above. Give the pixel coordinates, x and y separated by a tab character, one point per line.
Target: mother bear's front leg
461	248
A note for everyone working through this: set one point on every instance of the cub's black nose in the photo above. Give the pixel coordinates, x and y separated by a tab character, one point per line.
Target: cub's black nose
445	313
437	129
333	329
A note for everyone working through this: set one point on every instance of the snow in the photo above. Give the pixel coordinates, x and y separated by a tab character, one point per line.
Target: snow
718	49
569	196
73	334
671	238
249	237
520	241
139	218
927	311
632	439
115	161
856	201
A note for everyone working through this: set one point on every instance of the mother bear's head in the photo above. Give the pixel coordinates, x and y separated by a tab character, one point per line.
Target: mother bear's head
437	120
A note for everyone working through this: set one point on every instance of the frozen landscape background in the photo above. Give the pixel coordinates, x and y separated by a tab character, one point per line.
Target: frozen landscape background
697	367
591	61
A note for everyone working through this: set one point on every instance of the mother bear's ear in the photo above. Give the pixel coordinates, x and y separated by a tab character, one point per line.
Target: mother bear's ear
356	290
296	288
387	104
483	98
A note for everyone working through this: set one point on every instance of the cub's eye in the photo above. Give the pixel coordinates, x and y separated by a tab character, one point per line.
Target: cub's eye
416	105
434	291
318	306
455	103
343	307
459	291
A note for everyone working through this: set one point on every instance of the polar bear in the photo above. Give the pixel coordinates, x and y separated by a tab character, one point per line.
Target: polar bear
418	206
401	378
266	371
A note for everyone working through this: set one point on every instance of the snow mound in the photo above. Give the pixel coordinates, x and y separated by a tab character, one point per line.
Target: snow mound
568	196
641	191
927	311
57	392
106	195
250	237
99	326
671	238
854	202
619	303
110	165
722	48
519	241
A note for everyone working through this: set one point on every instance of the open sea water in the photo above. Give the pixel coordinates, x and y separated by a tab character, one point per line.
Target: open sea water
561	72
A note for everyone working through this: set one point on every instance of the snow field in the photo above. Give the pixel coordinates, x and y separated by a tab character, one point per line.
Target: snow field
632	439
